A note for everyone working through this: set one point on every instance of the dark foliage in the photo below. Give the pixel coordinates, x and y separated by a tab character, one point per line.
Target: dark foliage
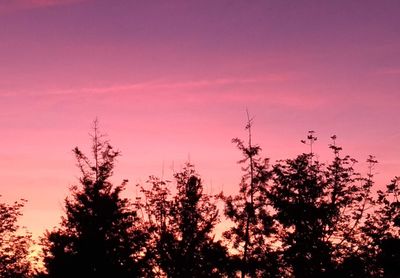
14	244
296	218
320	209
251	237
381	233
181	228
100	235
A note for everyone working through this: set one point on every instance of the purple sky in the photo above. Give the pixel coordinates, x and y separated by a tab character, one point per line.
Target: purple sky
171	80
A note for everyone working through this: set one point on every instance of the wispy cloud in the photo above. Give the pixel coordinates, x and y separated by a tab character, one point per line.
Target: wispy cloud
220	90
388	72
158	86
161	85
15	5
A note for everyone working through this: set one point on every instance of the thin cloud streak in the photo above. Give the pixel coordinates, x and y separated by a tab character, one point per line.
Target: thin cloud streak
155	85
15	5
266	89
388	72
199	92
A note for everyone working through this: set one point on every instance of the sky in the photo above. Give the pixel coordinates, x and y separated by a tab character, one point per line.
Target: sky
170	81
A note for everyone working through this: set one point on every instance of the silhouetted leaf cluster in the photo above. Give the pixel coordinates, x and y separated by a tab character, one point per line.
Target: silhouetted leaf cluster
181	228
14	243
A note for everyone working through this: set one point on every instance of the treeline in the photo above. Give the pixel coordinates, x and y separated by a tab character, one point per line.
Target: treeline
292	218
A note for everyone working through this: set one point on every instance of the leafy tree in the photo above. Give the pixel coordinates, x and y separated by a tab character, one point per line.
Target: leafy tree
297	188
252	235
320	209
14	244
181	227
157	208
389	213
100	234
381	235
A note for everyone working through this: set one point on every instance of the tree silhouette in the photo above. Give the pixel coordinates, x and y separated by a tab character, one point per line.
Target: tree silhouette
252	233
298	187
380	248
320	209
100	235
181	227
14	245
157	207
389	255
297	218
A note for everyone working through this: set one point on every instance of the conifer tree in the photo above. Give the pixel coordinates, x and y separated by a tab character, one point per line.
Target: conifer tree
100	235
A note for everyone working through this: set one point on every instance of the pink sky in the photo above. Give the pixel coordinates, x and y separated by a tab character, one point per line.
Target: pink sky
171	80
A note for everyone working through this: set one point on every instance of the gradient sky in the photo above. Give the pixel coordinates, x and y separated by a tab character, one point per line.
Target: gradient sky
171	81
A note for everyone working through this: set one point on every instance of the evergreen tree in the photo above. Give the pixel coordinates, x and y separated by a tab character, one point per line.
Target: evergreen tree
182	227
100	235
14	245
